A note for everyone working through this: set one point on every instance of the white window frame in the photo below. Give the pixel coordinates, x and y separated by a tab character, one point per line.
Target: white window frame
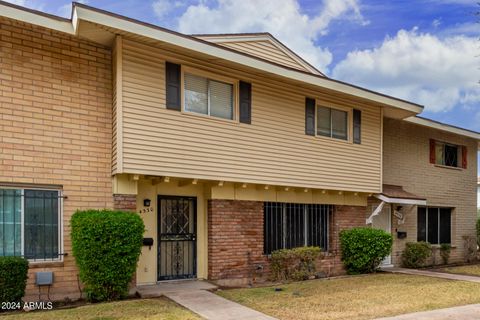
349	112
214	77
22	220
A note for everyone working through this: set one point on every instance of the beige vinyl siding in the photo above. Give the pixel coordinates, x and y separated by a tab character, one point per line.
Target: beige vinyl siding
114	116
272	150
265	50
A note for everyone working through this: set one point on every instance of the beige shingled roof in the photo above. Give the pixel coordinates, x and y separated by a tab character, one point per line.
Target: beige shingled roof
397	192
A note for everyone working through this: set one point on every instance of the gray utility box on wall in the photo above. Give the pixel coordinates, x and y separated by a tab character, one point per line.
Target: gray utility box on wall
44	278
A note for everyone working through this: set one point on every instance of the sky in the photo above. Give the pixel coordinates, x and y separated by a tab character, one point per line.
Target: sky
424	51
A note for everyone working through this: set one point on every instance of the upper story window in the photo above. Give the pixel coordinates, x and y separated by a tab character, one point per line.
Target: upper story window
332	123
339	122
208	97
447	154
216	96
30	223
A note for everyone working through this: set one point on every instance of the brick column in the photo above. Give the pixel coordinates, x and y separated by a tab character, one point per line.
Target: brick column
235	240
125	202
344	218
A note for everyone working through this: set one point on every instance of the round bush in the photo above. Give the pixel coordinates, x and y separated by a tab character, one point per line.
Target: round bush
106	245
416	254
13	278
363	249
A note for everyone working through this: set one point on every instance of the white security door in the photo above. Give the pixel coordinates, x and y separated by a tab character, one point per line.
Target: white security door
383	221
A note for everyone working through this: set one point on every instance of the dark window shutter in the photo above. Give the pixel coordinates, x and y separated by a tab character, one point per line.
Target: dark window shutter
173	86
464	157
432	151
245	102
357	126
310	116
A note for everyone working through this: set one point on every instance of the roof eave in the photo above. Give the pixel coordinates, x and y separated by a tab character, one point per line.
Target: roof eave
111	20
445	127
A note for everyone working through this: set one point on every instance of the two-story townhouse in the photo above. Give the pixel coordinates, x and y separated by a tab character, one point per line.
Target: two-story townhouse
227	146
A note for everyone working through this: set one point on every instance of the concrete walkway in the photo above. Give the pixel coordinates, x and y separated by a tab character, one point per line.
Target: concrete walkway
433	274
213	307
194	295
469	312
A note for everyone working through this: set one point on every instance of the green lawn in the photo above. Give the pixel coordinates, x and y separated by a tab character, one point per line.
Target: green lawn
147	309
364	297
471	270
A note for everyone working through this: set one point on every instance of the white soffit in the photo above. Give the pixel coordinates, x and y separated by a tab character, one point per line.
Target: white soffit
36	17
444	127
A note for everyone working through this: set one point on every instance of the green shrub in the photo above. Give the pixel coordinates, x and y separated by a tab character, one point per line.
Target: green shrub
13	278
416	254
445	249
363	249
294	264
106	245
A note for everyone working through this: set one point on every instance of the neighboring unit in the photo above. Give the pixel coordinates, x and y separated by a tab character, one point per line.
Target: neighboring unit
228	146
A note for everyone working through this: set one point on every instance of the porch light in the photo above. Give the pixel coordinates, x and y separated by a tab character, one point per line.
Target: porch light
146	202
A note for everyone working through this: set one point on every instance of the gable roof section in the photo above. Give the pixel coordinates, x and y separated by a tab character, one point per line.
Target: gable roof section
113	24
262	45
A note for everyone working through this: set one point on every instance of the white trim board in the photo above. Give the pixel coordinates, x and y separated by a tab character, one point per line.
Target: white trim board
401	200
444	127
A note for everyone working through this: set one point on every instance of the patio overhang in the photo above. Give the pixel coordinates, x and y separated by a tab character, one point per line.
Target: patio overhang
395	195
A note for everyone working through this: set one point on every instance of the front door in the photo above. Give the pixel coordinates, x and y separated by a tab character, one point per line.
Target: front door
383	221
176	237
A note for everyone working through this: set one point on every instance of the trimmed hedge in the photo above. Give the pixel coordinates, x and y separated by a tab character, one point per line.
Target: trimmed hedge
363	249
106	245
416	254
294	264
13	278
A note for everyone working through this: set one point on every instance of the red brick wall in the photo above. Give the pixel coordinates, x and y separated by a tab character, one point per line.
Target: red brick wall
344	217
125	202
235	231
235	240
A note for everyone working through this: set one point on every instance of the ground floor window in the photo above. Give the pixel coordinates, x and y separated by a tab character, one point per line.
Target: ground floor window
434	225
30	223
291	225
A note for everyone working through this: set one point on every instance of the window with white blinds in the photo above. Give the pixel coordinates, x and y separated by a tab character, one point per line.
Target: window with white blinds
332	123
209	97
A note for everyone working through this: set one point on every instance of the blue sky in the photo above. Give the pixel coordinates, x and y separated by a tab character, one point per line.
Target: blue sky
425	51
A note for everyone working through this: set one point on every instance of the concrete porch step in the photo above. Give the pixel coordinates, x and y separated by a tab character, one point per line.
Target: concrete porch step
161	288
